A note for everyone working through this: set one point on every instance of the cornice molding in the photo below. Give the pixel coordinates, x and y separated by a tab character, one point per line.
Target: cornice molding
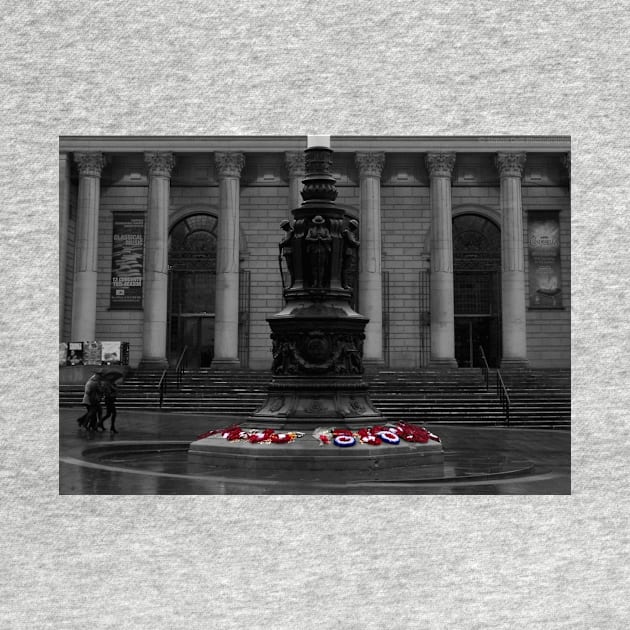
339	144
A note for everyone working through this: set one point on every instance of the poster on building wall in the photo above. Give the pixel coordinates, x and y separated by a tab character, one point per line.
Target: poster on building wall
543	239
127	261
63	353
91	353
75	353
111	352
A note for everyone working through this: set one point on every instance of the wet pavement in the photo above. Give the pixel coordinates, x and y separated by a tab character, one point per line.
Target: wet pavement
149	456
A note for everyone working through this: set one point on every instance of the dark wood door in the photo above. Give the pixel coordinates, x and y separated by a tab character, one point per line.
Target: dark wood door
197	332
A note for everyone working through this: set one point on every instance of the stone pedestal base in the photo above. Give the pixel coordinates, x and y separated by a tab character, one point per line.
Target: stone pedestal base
307	457
317	368
299	403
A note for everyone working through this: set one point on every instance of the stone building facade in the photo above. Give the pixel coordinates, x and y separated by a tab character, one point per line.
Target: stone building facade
173	242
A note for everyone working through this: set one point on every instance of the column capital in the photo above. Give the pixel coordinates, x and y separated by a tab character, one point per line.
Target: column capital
440	164
510	164
160	163
369	164
294	161
229	164
90	164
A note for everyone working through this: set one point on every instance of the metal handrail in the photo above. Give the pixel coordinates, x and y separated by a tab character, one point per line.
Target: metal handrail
162	386
485	369
504	397
181	366
502	392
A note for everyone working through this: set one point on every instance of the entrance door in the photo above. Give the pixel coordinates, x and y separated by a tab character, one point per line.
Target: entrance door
472	332
192	279
197	332
463	342
477	289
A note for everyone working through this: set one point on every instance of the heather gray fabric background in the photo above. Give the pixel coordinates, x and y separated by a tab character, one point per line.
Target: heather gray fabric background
255	67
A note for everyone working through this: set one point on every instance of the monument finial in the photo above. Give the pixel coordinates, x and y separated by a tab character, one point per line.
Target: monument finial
319	183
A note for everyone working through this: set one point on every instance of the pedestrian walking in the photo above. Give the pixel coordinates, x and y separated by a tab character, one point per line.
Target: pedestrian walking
110	392
92	401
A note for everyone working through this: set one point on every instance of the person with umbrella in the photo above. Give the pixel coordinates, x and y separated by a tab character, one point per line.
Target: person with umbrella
110	392
92	401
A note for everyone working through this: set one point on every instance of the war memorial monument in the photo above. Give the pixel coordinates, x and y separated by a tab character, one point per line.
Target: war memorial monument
318	414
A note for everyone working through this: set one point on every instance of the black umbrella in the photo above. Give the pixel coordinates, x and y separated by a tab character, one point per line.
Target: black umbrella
112	373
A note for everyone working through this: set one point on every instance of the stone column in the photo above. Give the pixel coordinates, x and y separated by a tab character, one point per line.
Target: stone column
229	167
86	246
440	167
510	167
294	161
370	166
156	259
64	215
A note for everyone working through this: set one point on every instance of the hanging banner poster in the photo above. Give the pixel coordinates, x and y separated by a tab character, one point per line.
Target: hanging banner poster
127	261
545	280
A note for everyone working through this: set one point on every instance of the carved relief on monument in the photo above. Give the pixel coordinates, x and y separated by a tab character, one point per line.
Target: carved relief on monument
319	184
317	352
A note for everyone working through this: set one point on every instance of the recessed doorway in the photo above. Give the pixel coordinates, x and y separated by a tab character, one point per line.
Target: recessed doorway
477	289
192	285
470	334
196	331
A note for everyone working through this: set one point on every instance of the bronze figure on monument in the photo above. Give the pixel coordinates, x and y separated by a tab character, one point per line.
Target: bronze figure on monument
350	254
319	248
286	250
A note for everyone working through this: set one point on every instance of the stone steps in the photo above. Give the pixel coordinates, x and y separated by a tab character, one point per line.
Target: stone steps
454	396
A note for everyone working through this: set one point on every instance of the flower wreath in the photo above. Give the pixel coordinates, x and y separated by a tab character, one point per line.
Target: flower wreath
374	436
253	436
391	434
